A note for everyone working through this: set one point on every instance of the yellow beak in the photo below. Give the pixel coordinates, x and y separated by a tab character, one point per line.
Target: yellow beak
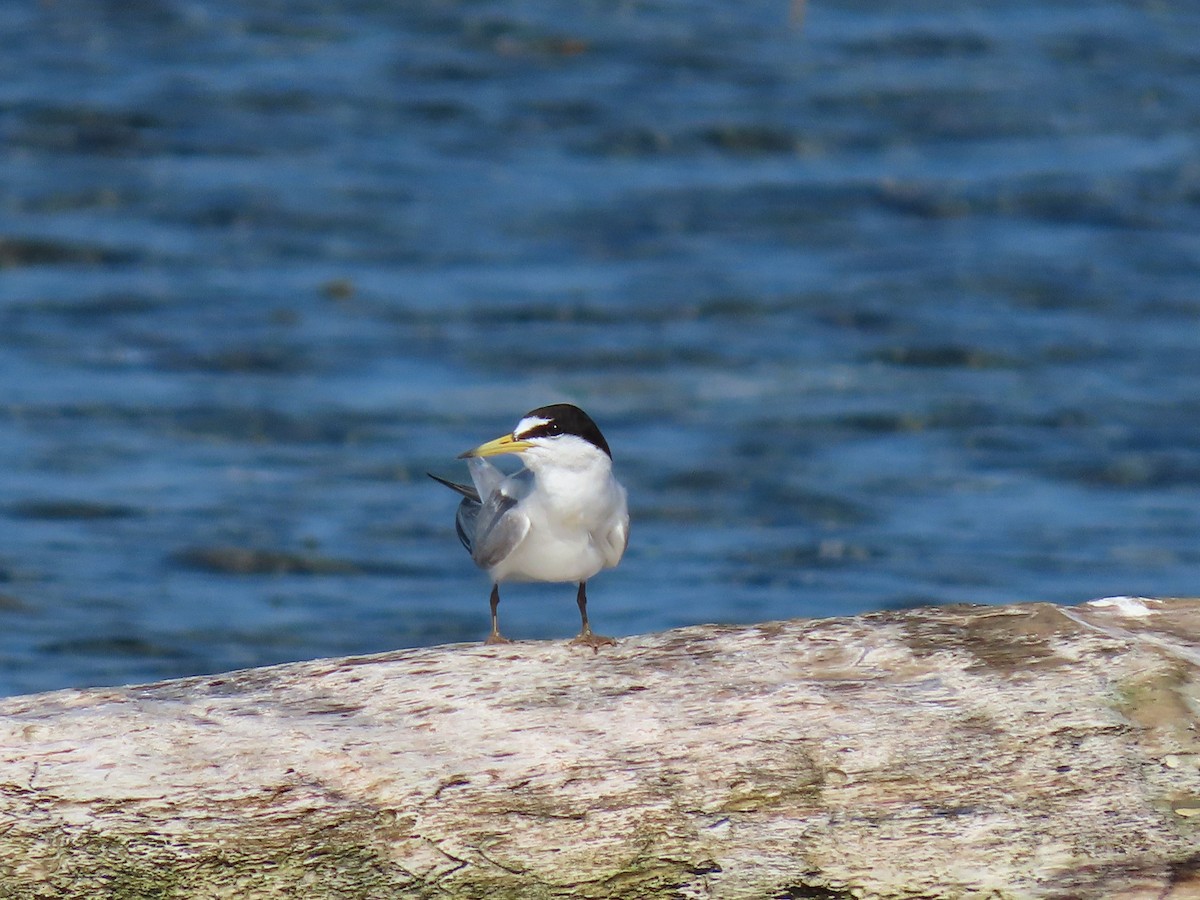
505	444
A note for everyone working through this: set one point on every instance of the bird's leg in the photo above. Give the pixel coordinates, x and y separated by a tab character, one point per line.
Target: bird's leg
496	637
586	636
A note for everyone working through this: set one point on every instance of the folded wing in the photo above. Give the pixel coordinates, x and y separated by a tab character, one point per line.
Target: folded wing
488	523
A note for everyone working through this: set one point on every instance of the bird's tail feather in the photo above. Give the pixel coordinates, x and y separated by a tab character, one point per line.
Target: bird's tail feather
466	490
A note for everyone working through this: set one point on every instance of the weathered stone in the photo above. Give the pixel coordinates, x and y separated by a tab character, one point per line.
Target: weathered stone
954	752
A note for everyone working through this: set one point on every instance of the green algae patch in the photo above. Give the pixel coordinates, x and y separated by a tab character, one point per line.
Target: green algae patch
109	867
1158	698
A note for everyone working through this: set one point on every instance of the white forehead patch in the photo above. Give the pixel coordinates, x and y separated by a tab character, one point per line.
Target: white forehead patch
528	424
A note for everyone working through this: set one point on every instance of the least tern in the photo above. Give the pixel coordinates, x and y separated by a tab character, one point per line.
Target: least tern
563	517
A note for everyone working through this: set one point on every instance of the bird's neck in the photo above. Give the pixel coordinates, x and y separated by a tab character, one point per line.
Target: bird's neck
576	482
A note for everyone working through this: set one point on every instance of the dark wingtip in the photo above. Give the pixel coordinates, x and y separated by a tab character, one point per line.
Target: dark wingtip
465	489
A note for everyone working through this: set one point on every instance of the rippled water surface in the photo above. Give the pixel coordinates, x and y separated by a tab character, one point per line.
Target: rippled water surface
877	304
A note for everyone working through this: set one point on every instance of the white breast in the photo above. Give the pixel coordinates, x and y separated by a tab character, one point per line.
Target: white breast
578	522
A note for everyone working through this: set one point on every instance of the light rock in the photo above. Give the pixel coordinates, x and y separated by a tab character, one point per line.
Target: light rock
952	752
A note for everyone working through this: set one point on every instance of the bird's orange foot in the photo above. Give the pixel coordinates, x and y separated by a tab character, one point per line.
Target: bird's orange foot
497	638
589	638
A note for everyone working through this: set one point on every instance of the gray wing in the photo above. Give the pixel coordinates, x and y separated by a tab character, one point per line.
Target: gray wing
464	522
468	510
497	528
489	528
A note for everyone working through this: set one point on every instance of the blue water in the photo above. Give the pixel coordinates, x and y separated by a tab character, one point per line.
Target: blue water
877	305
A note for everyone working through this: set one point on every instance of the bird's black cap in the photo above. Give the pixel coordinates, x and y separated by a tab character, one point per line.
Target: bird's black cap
563	418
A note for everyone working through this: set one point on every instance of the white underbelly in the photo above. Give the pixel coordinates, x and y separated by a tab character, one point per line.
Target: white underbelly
540	560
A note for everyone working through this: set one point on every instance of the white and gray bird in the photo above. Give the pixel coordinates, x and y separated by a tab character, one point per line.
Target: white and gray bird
563	517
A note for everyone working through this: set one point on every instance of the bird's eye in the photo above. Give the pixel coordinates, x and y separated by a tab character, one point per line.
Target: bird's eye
540	429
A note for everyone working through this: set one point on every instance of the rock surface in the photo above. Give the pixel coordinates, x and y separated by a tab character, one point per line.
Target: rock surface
952	752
